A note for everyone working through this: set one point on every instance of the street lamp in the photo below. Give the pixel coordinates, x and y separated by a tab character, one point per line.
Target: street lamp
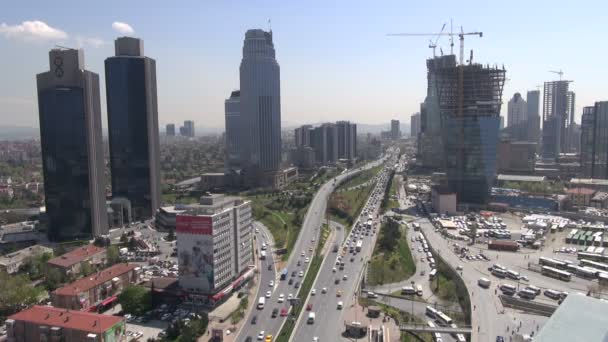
412	300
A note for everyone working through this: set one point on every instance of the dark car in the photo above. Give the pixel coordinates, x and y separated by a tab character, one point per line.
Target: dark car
337	281
293	274
248	339
352	259
270	267
297	285
500	339
254	320
290	281
275	312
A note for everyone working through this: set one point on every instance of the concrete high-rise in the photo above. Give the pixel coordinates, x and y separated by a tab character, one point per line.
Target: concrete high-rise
470	98
72	148
395	129
533	113
170	130
555	113
237	133
594	141
302	135
188	129
260	100
572	136
517	118
133	127
346	139
414	125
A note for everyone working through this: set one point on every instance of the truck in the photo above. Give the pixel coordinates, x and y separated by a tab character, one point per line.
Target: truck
359	245
261	303
503	245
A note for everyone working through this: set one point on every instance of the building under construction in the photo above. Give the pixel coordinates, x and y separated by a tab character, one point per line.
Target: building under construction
470	97
430	148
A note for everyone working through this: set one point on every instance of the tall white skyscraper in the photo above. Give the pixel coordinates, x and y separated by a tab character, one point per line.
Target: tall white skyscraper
260	101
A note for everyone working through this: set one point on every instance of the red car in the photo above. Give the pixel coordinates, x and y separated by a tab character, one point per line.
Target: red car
283	312
309	307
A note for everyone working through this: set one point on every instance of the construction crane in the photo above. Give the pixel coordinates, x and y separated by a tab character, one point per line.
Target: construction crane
560	73
450	34
433	45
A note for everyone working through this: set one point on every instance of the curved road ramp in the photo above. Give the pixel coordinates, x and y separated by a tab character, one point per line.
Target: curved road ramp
528	306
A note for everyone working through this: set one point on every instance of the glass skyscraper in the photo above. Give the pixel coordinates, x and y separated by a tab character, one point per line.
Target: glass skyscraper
72	154
133	127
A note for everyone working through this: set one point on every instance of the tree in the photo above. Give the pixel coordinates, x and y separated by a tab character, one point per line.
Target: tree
16	292
124	238
112	255
53	278
390	235
132	243
170	236
86	268
135	300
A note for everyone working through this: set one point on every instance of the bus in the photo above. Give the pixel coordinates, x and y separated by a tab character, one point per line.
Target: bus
431	312
512	274
284	274
359	245
460	338
592	256
552	263
499	272
594	264
555	273
443	319
432	274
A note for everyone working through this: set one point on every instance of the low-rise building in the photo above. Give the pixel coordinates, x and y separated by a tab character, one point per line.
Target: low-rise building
11	262
70	262
600	200
443	200
214	242
590	183
580	197
516	156
98	289
47	324
19	232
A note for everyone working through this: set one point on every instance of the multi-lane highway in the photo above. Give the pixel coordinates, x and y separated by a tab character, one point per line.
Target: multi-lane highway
296	263
332	281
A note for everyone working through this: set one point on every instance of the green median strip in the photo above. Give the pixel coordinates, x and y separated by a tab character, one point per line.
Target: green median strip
311	275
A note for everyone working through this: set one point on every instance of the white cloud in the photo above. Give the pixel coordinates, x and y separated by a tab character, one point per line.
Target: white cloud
95	42
123	28
32	30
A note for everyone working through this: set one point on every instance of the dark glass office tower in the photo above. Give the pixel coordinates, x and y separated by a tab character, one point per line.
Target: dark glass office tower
72	154
469	102
133	127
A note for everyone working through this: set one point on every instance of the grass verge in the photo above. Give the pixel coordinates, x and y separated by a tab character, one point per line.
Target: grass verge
391	266
345	206
315	265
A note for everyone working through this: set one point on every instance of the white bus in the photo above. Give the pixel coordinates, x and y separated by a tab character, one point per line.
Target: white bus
261	303
436	336
499	272
512	274
527	294
555	273
431	312
443	319
359	245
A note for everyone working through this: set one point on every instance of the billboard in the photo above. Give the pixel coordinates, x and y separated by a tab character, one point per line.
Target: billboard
190	224
195	252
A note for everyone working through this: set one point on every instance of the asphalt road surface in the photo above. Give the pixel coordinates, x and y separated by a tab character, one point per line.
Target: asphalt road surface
329	325
307	239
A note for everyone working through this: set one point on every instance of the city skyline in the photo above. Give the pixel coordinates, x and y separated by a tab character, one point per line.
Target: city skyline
195	78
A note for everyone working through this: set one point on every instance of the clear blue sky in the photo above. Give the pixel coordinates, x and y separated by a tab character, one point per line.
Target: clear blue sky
336	60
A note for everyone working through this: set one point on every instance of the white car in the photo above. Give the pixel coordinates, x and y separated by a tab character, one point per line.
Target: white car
281	298
333	270
313	292
268	294
324	290
261	336
459	268
345	277
271	283
302	254
307	260
301	274
289	296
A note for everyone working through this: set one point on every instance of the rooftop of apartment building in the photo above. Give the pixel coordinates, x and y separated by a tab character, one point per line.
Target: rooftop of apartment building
76	256
24	253
589	181
94	280
520	178
211	204
67	319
